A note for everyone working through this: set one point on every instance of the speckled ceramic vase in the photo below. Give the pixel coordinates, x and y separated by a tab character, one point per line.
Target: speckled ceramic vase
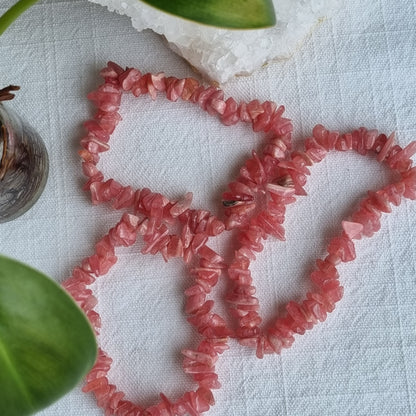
24	165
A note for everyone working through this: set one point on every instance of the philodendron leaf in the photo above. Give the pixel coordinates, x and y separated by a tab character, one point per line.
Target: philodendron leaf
233	14
46	343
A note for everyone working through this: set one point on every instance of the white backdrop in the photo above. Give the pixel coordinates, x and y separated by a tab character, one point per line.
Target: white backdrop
357	69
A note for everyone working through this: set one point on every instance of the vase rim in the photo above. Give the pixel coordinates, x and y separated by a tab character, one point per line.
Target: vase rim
3	148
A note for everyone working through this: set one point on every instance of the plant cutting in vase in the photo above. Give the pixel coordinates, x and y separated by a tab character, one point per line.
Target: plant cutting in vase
24	163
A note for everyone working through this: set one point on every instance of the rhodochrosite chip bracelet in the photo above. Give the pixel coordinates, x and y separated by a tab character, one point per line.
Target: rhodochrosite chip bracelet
198	363
280	181
254	205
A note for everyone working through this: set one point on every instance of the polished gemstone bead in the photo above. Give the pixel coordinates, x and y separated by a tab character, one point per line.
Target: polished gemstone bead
352	229
128	78
343	247
230	114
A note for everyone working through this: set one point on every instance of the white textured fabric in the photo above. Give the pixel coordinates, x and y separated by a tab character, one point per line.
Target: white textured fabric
357	69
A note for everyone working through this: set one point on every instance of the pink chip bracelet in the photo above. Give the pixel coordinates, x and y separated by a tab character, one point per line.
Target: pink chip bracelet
152	216
278	183
198	363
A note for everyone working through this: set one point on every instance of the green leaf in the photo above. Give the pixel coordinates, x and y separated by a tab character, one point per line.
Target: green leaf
46	343
233	14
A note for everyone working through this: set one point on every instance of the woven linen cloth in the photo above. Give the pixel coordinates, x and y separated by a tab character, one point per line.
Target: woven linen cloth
356	69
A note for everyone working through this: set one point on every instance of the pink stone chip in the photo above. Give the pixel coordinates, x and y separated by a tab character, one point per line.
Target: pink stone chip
352	229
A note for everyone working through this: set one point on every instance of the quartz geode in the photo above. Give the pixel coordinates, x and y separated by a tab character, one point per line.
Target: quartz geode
220	54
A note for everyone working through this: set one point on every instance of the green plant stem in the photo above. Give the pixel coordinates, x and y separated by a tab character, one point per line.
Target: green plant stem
14	12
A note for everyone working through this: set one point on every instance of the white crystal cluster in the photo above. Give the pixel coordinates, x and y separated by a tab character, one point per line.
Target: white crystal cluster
221	54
